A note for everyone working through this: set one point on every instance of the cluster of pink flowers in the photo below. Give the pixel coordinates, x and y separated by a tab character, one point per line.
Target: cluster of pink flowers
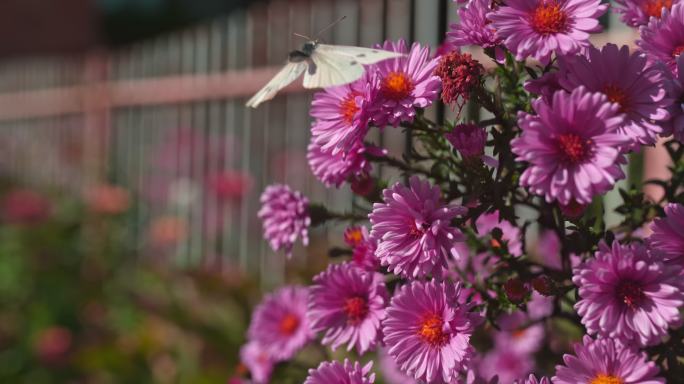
442	260
388	94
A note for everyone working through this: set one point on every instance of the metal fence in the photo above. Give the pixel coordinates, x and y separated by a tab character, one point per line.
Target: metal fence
163	116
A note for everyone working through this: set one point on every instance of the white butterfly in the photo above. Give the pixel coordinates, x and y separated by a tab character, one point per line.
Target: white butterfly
325	66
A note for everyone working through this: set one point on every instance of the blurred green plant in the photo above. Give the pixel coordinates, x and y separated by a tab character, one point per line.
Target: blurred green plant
76	305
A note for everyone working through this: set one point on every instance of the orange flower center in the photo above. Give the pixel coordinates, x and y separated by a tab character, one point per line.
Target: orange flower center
616	95
417	231
606	379
348	107
678	51
356	309
518	333
549	18
289	324
573	148
431	330
630	294
353	236
654	8
241	369
396	86
495	243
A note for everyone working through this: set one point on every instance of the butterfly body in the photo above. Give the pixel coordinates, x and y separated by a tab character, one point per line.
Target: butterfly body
323	66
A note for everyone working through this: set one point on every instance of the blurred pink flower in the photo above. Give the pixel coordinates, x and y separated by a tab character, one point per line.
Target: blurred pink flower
25	207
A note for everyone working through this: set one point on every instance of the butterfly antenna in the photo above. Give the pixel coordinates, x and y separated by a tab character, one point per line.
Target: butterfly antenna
302	36
330	26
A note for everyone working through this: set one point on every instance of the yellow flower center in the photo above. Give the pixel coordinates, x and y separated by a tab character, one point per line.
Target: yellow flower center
396	86
606	379
431	330
353	236
549	18
348	107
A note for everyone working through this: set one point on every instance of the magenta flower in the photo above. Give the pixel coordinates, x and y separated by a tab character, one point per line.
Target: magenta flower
279	322
539	28
405	83
606	361
333	169
628	294
668	233
505	363
545	85
636	13
532	379
258	361
510	233
342	114
473	27
329	372
390	372
285	216
572	145
468	139
675	92
517	337
663	39
427	332
363	248
413	228
348	303
625	79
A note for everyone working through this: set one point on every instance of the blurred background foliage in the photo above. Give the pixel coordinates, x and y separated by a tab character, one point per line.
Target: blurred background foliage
77	307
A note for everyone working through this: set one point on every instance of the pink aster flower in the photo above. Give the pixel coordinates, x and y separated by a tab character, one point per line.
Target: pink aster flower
473	27
505	363
342	114
405	83
625	79
532	379
413	228
510	233
663	39
668	233
539	28
628	294
545	85
363	248
518	337
348	303
572	146
258	361
390	372
468	139
279	322
675	91
334	372
606	361
333	169
427	332
636	13
285	216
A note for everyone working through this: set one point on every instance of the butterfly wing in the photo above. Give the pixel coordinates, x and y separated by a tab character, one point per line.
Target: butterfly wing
290	72
360	54
331	68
